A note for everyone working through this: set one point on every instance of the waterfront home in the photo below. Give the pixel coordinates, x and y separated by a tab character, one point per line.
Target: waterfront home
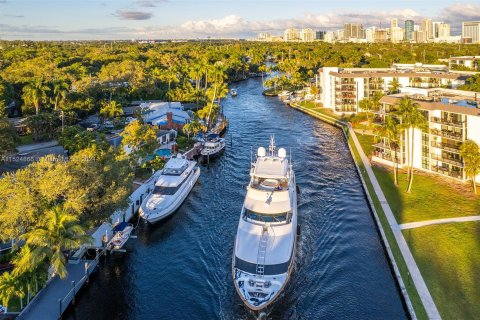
165	115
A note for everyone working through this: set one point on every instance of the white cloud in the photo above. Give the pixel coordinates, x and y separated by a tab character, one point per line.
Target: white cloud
132	15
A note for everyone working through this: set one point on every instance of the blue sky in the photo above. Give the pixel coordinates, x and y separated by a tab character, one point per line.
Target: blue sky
163	19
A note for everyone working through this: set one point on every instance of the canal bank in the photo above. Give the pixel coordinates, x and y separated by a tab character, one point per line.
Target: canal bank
182	268
416	297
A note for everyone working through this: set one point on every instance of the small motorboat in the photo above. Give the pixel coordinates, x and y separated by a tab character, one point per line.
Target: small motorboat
121	234
233	92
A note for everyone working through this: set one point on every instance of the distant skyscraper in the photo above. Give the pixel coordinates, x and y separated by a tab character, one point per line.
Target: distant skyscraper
291	34
443	30
409	28
394	23
320	35
427	27
471	32
307	35
353	31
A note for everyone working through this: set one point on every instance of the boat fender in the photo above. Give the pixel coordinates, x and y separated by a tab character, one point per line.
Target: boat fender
298	230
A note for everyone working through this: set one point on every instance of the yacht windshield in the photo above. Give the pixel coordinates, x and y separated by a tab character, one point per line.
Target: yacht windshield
166	191
262	217
174	171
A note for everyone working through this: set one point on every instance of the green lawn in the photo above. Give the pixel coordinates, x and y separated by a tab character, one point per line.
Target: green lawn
431	196
27	139
449	258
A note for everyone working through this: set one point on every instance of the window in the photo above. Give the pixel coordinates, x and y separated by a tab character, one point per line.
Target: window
166	191
262	217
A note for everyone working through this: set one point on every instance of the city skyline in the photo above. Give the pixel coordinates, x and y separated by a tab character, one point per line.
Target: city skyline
178	19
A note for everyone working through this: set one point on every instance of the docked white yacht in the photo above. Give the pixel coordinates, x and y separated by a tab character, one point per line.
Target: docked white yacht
172	187
264	249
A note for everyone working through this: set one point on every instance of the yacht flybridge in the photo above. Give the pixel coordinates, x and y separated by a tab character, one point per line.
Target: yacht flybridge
172	187
264	249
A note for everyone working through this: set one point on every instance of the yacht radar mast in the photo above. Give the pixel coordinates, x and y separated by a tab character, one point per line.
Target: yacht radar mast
271	147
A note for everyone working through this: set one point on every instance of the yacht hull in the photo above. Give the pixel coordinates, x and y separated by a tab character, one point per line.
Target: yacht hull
156	216
276	296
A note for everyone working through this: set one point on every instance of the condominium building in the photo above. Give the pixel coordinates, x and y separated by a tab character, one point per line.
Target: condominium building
291	34
342	89
353	31
420	36
464	62
471	32
409	28
427	27
396	34
307	35
370	34
381	35
453	117
320	35
442	30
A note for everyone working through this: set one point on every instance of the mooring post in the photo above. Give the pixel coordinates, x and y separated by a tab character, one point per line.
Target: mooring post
86	271
73	287
60	309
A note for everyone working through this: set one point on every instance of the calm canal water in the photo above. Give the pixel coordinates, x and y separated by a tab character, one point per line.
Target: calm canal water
181	269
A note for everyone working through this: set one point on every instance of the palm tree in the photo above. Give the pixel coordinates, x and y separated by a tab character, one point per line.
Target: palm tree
60	89
59	231
8	284
410	118
393	86
389	133
471	157
35	93
111	110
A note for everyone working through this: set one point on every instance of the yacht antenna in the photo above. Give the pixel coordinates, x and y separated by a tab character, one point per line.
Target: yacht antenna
271	148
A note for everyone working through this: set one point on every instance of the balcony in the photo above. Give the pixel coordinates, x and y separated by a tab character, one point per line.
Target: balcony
447	134
446	146
449	160
448	122
447	172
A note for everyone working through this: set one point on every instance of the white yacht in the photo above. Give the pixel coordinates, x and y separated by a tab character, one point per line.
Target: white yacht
213	146
264	249
172	187
233	92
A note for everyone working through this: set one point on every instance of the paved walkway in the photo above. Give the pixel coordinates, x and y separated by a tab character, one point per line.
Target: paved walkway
416	276
37	146
418	224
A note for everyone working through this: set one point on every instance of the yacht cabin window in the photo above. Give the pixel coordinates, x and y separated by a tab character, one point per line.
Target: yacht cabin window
268	184
262	217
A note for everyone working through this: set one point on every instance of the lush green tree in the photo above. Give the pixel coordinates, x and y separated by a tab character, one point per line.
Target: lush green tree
58	231
36	94
60	90
141	139
9	139
10	287
43	125
75	138
411	119
472	83
394	86
471	158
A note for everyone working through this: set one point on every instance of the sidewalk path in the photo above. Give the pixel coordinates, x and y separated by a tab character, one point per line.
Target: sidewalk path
37	146
422	289
417	278
418	224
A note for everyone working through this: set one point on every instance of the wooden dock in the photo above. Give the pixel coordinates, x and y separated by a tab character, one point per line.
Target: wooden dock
52	301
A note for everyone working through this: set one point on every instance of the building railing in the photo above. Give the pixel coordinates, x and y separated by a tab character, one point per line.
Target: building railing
447	122
446	147
450	160
447	134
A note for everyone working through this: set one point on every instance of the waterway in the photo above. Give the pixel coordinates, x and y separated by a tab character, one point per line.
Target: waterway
181	269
